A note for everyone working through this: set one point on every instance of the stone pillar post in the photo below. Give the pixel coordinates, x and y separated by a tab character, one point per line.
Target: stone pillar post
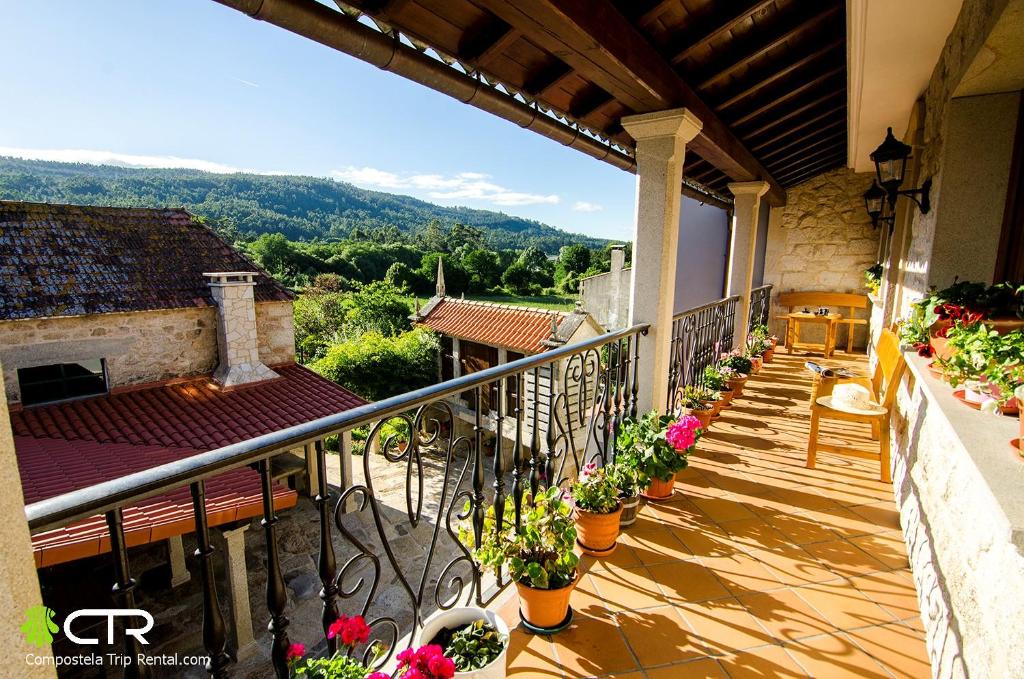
232	543
176	558
741	251
661	139
19	582
618	262
456	358
312	473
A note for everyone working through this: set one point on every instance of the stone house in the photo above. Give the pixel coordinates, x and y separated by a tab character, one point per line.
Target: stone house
131	338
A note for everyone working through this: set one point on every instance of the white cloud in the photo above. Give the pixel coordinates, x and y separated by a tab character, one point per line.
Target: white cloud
462	186
584	206
124	159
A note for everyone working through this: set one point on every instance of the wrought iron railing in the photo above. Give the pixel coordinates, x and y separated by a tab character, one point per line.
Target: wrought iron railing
760	305
567	404
699	336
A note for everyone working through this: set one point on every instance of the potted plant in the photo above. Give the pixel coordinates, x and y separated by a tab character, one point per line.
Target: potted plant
540	556
759	343
988	365
350	632
597	511
653	445
1001	306
873	280
696	401
736	369
627	480
715	380
425	662
474	639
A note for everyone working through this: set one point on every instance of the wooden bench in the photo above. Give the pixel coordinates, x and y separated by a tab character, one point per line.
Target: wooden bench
846	301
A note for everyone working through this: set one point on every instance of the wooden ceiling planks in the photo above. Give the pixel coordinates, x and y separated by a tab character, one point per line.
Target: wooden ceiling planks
766	76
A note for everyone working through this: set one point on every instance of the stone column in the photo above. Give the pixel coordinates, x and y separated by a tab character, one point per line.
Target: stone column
312	473
19	582
746	206
661	139
232	543
456	358
176	558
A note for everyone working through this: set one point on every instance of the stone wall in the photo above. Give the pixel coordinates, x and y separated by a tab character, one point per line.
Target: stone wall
138	347
821	240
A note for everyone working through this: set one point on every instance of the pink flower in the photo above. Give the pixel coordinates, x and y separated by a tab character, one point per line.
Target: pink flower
406	657
413	673
379	675
682	434
441	667
294	652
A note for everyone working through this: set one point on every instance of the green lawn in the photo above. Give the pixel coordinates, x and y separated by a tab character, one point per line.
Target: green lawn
557	302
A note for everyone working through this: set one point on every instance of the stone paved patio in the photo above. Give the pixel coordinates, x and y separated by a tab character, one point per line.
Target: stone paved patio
758	567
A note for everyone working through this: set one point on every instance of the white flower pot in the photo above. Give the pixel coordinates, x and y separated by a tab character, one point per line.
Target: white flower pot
457	617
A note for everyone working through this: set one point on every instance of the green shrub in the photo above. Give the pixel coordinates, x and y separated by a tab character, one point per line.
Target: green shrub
376	367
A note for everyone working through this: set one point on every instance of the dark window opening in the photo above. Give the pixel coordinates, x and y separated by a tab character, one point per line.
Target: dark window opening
62	381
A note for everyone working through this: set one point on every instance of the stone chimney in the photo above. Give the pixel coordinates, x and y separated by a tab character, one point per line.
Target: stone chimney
237	342
618	258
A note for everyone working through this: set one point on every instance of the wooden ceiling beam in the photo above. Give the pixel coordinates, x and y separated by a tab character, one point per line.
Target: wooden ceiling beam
809	171
805	157
655	11
786	117
589	104
801	28
600	44
485	53
715	27
792	94
778	75
806	123
804	140
541	84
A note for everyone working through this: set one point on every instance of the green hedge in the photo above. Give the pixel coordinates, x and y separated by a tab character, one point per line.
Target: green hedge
376	367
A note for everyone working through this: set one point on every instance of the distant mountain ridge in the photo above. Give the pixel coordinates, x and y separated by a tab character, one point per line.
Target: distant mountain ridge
302	208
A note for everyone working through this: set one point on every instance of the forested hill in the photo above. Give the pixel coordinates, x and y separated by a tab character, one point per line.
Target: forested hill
302	208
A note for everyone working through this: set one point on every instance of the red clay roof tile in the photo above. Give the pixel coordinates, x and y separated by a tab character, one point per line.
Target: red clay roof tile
519	328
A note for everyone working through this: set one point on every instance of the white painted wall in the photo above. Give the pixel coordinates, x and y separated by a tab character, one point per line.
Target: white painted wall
703	248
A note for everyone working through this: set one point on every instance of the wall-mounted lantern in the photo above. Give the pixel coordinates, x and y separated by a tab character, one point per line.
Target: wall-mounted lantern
874	202
890	160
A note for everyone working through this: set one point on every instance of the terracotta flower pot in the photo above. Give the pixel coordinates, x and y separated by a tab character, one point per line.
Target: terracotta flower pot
716	407
630	508
756	362
596	533
702	414
769	355
725	397
659	490
774	342
939	344
736	384
545	607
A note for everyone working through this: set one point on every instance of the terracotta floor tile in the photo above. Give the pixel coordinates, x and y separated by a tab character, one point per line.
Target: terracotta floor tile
843	521
622	557
754	533
724	626
592	646
844	558
834	657
898	648
659	636
793	566
688	581
707	540
762	663
889	548
587	600
786	615
742	573
800	529
843	605
655	546
628	589
882	514
705	668
723	509
530	656
892	590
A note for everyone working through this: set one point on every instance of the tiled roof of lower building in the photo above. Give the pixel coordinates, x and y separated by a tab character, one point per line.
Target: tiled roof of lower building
70	260
518	328
63	447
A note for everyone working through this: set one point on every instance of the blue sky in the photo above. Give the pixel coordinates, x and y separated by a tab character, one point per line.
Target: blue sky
191	79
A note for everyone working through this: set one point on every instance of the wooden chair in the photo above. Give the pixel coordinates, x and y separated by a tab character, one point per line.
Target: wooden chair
883	385
847	302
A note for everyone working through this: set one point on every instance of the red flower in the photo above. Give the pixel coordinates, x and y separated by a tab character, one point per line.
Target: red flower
294	652
352	630
441	667
379	675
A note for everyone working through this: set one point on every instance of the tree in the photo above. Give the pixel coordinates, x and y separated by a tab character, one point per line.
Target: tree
404	278
534	258
455	277
434	238
273	252
483	268
319	319
573	260
518	279
376	367
377	307
463	234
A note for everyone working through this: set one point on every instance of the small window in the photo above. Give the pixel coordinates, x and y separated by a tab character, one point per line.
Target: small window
62	381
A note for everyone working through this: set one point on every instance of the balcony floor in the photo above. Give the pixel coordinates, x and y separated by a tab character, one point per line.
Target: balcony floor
758	567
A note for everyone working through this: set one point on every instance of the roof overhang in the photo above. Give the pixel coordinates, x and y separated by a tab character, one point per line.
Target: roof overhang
892	49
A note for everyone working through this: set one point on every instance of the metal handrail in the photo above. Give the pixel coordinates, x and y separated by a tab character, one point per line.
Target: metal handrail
702	307
102	497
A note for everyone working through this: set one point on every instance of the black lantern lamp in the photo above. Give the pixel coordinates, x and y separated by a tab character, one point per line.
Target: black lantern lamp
874	201
890	160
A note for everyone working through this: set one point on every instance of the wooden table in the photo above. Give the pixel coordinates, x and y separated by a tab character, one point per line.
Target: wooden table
831	323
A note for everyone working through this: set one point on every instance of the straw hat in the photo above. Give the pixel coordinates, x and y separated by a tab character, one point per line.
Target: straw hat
851	398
